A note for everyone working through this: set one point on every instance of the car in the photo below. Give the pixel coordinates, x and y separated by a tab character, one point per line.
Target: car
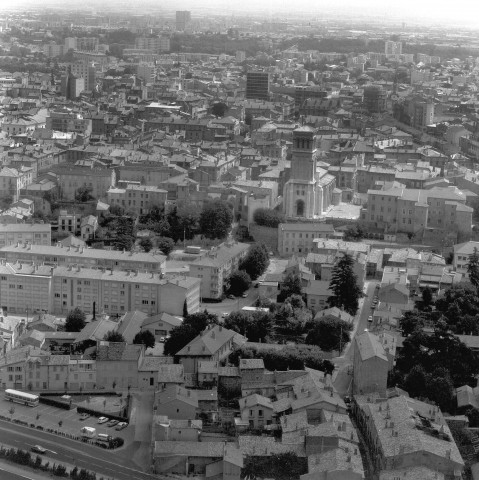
256	285
38	449
112	423
121	426
224	314
84	416
370	318
103	420
162	339
244	294
230	295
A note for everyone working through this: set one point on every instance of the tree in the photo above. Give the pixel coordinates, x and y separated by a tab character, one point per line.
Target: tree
146	244
427	297
75	320
256	261
238	282
410	322
268	217
473	268
165	244
215	219
83	193
290	286
219	109
112	336
191	327
344	285
183	221
415	381
330	333
144	337
255	326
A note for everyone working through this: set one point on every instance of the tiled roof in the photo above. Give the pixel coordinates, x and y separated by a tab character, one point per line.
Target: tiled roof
95	330
173	373
210	341
251	363
115	351
175	393
369	346
130	324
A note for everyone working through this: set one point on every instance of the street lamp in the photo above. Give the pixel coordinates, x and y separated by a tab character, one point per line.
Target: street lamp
26	309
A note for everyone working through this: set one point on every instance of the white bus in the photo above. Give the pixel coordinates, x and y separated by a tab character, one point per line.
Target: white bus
21	397
103	437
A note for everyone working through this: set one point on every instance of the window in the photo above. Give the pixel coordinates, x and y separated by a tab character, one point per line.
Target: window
4	278
137	286
260	413
57	295
144	302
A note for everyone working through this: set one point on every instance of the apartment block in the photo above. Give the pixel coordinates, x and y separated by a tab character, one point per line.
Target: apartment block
54	255
35	234
413	210
61	289
214	268
462	252
66	120
139	199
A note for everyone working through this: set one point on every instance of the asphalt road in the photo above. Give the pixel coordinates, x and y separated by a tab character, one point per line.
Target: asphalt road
229	305
110	464
343	376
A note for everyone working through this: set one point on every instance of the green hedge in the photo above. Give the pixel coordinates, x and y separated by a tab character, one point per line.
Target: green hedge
56	403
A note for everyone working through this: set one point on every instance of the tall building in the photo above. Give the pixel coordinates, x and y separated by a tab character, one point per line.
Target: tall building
85	70
72	86
257	85
155	44
393	48
183	18
375	98
308	192
420	111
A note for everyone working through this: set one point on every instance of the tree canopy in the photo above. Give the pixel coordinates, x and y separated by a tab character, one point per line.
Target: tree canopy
344	285
238	282
268	217
112	336
75	321
290	286
256	261
215	219
330	333
473	268
255	326
146	338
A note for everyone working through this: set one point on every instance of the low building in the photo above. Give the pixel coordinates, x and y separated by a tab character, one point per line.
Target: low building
139	199
36	234
297	238
160	325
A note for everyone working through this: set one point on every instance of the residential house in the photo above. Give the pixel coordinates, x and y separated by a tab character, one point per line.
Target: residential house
160	325
257	410
177	402
215	343
36	234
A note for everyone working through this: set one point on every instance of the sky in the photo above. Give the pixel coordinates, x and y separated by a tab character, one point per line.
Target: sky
453	11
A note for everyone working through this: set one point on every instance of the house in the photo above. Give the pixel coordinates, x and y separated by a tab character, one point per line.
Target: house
170	375
117	364
215	343
257	410
160	325
336	313
148	368
96	330
218	460
177	403
317	294
370	364
208	372
462	252
33	338
167	429
394	293
88	227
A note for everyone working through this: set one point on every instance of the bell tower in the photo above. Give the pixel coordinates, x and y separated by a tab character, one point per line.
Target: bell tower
303	163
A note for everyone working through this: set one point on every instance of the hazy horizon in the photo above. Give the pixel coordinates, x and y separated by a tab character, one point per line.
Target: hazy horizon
416	11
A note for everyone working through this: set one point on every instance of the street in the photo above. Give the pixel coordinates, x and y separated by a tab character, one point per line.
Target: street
111	464
229	305
343	373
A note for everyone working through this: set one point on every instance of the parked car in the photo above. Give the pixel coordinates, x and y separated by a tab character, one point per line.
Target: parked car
244	294
121	426
38	449
370	318
112	423
162	339
84	416
230	295
103	420
224	314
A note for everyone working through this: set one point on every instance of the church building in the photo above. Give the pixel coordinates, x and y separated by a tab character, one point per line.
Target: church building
309	191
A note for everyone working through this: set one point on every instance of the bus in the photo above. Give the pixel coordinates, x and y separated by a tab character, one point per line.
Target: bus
21	397
103	437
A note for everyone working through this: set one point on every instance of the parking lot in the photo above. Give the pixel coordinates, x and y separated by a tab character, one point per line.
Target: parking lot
49	417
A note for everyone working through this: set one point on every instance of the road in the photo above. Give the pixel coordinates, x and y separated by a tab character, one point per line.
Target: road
342	376
231	305
116	464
